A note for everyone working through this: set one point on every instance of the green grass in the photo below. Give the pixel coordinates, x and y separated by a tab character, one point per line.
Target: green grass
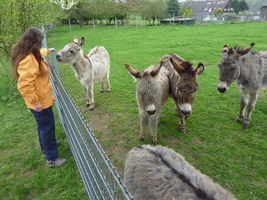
23	174
218	146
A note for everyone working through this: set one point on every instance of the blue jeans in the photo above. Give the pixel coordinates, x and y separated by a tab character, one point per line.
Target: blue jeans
46	131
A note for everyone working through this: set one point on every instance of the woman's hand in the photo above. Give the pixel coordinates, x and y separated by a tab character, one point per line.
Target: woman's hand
38	107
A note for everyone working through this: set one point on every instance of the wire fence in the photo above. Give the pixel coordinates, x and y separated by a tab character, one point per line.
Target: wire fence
137	21
98	174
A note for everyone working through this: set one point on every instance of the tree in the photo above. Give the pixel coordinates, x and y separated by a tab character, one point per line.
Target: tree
187	11
243	6
152	9
173	7
98	10
16	16
80	11
218	12
239	6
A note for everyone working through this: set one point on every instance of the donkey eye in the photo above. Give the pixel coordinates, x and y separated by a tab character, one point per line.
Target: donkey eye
72	52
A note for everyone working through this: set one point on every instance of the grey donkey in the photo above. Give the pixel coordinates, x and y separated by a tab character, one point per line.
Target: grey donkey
152	90
159	173
88	69
249	69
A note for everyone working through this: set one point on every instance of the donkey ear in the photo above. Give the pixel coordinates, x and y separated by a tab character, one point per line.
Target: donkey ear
246	50
156	70
75	40
177	66
225	50
132	71
81	43
199	69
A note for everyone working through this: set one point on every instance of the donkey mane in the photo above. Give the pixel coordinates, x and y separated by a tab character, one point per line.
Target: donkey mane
187	66
172	177
198	191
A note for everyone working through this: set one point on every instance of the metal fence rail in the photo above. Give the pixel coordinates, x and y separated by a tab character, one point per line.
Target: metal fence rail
98	174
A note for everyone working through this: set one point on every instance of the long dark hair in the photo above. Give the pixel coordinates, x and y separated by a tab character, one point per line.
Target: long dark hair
30	42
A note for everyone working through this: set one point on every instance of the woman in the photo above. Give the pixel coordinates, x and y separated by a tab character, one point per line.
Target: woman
34	85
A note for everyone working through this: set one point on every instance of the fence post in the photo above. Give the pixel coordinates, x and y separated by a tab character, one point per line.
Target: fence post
69	24
136	21
94	24
55	64
116	23
44	44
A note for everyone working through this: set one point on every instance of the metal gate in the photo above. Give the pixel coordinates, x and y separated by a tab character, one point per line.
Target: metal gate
98	174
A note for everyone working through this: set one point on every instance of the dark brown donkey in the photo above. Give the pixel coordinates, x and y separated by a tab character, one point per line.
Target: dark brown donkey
183	84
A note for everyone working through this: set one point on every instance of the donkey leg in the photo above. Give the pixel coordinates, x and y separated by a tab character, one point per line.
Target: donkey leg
108	84
244	99
144	125
90	94
153	123
181	116
102	86
87	98
182	119
182	123
250	108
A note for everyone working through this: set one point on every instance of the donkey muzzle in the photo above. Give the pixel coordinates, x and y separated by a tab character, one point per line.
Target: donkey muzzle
58	57
151	109
222	87
186	109
221	90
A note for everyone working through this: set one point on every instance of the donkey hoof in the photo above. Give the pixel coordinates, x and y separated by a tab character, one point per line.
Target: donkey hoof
246	125
181	129
91	107
87	104
101	91
154	143
141	139
109	90
239	119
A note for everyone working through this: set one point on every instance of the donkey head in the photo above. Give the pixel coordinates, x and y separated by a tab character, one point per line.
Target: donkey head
230	65
71	52
188	85
147	88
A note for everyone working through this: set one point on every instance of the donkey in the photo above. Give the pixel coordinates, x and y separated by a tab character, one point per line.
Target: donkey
152	90
160	173
250	71
183	84
88	69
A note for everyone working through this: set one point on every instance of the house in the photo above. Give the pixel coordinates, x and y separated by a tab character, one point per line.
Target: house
178	20
263	11
209	7
213	5
197	7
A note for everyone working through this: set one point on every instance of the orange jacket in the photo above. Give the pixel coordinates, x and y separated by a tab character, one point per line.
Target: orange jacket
33	83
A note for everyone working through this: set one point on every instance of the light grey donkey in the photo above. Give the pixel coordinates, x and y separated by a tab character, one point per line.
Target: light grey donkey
152	90
88	69
183	84
159	173
249	69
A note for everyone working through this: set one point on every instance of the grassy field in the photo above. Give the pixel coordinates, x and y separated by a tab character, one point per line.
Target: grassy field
232	156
